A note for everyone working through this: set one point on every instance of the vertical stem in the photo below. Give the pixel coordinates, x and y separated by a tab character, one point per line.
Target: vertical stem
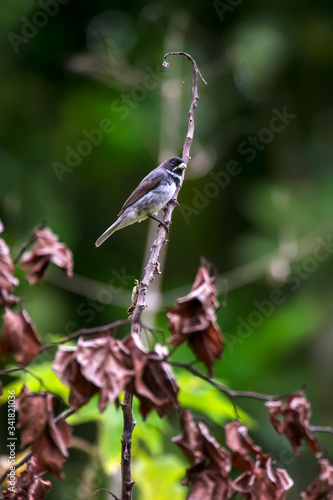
171	112
126	446
160	240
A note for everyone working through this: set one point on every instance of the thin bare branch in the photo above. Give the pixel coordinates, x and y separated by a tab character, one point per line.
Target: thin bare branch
85	331
12	370
226	390
126	447
160	238
108	491
140	304
16	466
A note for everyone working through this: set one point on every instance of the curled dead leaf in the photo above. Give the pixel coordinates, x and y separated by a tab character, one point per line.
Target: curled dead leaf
208	476
292	418
110	366
101	365
193	320
207	483
240	444
153	382
34	412
47	249
19	337
50	450
49	439
28	485
106	363
7	278
68	370
263	482
322	487
190	441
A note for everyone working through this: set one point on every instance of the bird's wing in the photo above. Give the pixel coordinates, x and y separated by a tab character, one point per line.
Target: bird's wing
151	181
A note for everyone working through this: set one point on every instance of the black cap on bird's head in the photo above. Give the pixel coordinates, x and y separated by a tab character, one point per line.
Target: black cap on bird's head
174	164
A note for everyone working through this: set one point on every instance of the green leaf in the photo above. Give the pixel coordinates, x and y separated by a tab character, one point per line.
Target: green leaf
87	413
15	386
151	431
159	477
109	435
148	434
40	378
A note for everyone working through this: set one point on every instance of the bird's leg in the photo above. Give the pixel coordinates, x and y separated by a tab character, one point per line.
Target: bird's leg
175	202
162	223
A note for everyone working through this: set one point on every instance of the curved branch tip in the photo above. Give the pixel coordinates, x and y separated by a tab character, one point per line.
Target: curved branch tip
165	63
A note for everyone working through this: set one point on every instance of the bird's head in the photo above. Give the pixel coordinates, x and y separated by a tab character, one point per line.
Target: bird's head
175	165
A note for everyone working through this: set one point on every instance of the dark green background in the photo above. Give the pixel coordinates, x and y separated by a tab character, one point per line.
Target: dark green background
260	229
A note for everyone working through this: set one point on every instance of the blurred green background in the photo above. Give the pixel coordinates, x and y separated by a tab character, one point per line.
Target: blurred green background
87	111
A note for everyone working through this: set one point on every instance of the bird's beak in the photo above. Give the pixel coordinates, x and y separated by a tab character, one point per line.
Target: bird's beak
182	166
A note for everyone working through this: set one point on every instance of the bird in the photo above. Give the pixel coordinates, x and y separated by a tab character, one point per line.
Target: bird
152	194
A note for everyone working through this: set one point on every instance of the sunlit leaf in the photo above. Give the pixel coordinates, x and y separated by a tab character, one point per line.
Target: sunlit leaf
159	477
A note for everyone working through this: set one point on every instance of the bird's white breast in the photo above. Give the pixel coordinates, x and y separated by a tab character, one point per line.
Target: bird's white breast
155	200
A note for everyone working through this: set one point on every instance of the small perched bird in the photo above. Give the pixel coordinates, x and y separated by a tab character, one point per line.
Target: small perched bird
151	195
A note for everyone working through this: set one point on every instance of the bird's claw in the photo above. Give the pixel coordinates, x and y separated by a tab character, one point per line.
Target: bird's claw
165	225
161	222
175	202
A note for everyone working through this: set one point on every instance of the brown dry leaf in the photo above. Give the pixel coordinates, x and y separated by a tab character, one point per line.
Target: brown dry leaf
19	337
191	441
34	412
292	419
263	483
218	455
49	440
239	443
47	249
69	371
207	484
109	366
193	320
7	278
208	476
198	445
107	363
101	365
153	382
322	487
29	486
50	450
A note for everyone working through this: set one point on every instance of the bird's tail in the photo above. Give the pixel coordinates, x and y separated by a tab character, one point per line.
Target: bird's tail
112	229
